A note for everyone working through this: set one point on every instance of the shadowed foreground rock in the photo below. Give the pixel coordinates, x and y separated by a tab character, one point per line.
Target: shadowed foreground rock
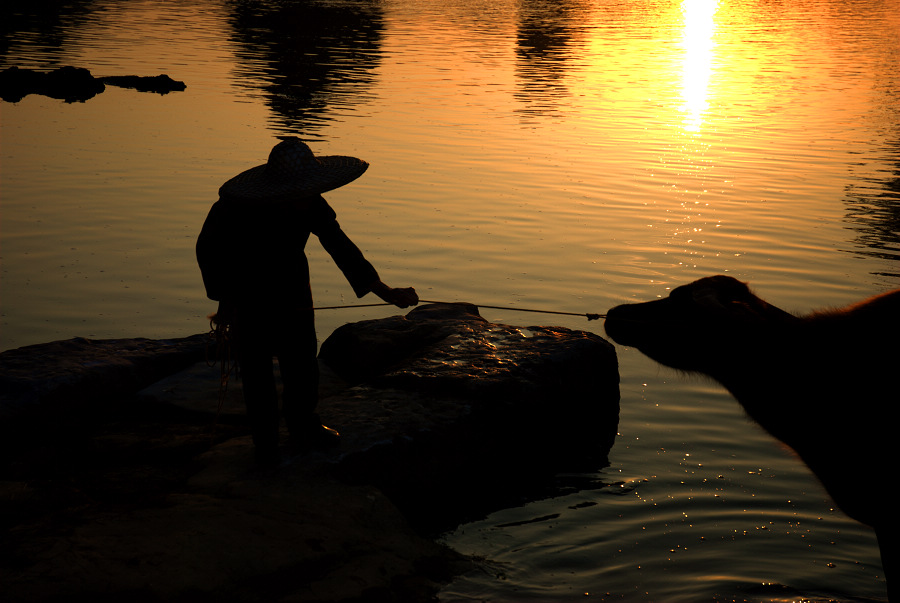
444	417
73	377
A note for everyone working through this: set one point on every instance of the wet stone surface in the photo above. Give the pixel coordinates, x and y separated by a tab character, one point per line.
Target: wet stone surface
153	493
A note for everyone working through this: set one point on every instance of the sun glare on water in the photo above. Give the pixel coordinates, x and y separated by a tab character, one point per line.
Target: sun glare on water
699	46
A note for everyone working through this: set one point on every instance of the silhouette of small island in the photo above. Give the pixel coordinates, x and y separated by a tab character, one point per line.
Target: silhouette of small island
76	84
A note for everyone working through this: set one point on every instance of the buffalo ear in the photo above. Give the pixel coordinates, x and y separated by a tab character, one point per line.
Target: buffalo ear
745	310
707	298
760	312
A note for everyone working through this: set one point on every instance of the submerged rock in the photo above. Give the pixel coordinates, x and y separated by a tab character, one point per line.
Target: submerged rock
444	416
160	84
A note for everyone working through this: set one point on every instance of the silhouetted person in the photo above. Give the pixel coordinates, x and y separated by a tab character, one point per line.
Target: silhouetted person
251	256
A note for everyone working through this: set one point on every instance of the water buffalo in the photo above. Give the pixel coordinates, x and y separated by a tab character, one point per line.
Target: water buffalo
823	383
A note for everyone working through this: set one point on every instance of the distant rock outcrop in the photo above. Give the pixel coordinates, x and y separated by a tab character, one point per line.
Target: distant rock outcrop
76	84
444	417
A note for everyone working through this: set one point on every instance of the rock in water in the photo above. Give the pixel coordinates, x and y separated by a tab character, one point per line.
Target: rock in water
76	84
71	84
483	406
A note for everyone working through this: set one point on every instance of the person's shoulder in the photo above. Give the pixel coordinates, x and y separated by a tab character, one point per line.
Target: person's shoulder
222	213
319	205
227	206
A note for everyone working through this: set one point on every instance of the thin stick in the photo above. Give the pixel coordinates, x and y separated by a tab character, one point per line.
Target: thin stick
589	316
426	301
351	306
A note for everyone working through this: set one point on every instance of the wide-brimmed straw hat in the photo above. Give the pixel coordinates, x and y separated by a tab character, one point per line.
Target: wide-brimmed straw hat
293	171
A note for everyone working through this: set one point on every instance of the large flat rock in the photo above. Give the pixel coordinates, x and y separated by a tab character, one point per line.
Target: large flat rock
443	415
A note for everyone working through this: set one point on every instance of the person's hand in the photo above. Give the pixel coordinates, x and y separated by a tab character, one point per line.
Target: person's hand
226	313
402	298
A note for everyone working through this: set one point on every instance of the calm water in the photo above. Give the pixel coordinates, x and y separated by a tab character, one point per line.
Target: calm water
568	155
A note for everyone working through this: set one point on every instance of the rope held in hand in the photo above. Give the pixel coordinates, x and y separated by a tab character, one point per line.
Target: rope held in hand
426	301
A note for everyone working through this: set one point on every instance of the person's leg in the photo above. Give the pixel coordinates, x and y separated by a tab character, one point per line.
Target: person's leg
300	394
260	395
300	380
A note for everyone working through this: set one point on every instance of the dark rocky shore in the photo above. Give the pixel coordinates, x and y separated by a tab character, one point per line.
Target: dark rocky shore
127	474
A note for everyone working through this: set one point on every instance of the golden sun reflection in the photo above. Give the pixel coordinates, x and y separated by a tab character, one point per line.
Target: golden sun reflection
699	28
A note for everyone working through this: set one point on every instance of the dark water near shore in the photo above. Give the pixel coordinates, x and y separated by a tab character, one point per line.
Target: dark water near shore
568	155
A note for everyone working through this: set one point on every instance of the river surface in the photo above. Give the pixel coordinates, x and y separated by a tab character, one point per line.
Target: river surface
566	155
